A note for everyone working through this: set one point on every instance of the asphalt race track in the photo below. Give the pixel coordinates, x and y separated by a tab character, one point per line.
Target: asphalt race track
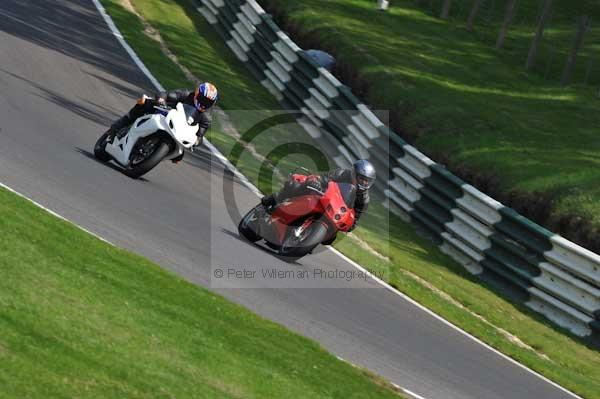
64	78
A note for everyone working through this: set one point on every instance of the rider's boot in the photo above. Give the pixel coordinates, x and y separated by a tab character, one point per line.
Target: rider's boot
269	202
111	133
117	126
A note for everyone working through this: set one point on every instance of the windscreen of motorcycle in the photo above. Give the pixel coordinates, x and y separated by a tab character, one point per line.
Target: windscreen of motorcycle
191	114
348	192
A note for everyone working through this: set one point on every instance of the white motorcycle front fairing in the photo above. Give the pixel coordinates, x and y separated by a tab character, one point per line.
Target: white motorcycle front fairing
175	123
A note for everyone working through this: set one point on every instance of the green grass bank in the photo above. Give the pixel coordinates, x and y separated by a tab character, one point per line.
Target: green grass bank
519	136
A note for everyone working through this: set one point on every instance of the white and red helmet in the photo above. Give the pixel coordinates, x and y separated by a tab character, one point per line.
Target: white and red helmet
205	96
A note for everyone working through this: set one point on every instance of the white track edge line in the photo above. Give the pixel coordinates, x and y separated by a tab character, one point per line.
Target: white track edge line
50	211
115	31
449	324
215	151
255	190
411	393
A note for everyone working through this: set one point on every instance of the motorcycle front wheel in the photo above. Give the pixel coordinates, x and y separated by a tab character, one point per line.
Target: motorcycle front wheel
147	157
296	246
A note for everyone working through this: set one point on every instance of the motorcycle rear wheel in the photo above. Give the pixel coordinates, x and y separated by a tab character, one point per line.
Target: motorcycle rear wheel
99	149
248	226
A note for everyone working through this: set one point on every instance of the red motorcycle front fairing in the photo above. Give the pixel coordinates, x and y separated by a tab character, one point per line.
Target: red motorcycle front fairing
337	211
329	208
289	212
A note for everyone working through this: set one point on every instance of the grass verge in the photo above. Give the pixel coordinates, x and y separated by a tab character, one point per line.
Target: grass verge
412	259
80	318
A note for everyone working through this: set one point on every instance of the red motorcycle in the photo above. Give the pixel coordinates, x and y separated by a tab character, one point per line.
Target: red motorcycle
297	225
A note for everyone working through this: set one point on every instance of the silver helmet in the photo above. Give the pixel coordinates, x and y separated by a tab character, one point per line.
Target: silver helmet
365	174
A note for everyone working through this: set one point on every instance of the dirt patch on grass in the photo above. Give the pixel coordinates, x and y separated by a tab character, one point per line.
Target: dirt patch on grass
510	337
448	298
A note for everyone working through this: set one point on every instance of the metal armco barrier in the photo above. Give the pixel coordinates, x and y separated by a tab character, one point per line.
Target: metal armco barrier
553	276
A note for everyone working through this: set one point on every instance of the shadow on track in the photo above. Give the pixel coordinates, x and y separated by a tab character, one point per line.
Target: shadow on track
109	164
259	246
74	29
78	108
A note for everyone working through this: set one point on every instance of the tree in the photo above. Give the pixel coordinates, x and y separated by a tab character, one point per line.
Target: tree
445	9
511	5
537	38
473	14
584	24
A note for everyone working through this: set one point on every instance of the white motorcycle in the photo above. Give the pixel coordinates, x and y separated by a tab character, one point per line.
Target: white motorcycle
150	139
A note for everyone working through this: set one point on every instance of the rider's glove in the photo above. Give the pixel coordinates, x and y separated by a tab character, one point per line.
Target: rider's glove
199	141
197	144
354	226
315	184
142	99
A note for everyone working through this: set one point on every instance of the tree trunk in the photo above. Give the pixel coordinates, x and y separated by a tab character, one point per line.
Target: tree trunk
508	16
445	9
473	14
538	34
584	24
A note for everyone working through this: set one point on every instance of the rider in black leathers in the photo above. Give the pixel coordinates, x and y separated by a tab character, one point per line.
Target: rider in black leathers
202	98
362	175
